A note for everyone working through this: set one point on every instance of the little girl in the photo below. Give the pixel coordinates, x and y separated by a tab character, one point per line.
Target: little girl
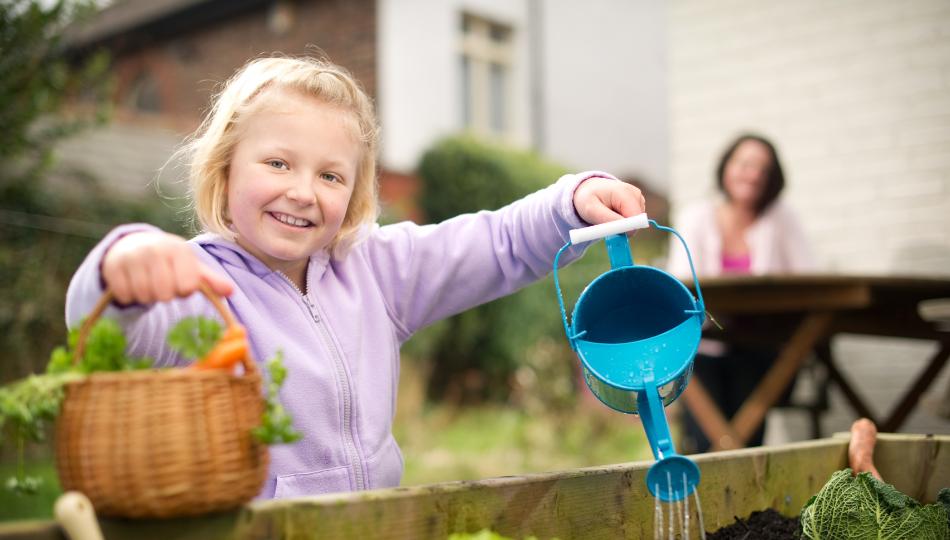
283	183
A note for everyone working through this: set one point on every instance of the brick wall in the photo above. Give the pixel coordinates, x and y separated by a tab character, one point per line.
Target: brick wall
188	66
855	94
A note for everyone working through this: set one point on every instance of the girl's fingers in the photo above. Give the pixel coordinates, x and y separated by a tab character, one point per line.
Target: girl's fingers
600	200
120	286
601	213
187	276
627	200
140	277
163	280
157	267
218	283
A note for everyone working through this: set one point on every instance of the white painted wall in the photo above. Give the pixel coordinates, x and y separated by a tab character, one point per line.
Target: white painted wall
605	72
419	94
602	66
855	94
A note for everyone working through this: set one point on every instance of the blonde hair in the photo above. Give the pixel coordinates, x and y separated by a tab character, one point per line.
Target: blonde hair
211	148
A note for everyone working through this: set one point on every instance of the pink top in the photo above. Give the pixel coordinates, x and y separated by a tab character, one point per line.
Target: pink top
736	264
776	240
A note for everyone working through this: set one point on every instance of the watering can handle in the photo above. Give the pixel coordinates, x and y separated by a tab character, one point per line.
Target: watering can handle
701	305
594	232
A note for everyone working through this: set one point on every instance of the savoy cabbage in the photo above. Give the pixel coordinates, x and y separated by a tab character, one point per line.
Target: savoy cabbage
863	507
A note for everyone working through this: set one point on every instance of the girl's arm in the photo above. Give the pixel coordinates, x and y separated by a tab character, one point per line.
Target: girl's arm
147	269
430	272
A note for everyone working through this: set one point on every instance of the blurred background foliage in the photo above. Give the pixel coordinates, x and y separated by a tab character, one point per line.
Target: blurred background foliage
49	217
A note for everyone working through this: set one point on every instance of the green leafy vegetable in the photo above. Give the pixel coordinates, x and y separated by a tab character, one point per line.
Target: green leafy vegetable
104	351
864	507
276	426
29	405
193	337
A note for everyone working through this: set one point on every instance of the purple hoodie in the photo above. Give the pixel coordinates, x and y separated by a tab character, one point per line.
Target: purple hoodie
341	340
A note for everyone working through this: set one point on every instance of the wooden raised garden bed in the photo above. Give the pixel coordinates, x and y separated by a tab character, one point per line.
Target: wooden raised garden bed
602	502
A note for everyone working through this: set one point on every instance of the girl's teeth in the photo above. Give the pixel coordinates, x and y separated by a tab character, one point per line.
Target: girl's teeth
290	220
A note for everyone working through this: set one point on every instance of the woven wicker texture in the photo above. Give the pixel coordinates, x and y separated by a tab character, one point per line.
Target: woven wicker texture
162	443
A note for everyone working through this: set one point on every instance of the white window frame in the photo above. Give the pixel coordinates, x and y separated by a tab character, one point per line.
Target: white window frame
486	46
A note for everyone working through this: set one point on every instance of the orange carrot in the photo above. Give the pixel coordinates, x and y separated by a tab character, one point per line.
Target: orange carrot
234	332
224	355
228	351
861	447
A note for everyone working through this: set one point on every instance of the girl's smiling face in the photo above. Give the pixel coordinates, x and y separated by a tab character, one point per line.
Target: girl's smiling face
290	179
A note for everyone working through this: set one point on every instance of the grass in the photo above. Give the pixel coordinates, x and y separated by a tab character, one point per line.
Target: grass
35	506
446	444
443	443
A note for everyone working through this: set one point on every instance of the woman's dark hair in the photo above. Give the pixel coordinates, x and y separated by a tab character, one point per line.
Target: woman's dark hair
775	181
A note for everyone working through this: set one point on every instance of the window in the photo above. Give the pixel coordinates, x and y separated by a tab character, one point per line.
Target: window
144	94
485	75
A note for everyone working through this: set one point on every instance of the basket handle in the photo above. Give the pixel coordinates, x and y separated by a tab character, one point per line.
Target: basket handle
107	297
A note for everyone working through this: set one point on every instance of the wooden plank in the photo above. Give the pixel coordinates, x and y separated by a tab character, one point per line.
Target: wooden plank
596	503
759	300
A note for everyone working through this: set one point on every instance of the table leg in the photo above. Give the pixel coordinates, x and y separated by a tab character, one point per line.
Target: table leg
750	416
907	403
824	354
710	419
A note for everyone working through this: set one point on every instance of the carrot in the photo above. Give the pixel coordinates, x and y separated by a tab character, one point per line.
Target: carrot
861	447
233	332
228	351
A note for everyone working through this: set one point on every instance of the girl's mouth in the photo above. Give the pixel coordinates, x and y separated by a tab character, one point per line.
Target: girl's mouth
291	221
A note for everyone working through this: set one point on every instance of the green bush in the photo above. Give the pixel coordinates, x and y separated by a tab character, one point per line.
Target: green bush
475	355
47	228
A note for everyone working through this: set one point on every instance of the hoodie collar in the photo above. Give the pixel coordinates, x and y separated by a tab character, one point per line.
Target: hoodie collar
232	254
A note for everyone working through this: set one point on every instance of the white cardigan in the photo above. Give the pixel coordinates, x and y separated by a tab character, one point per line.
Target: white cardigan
777	242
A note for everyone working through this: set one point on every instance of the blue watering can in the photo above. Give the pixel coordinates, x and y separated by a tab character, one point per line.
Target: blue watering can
636	330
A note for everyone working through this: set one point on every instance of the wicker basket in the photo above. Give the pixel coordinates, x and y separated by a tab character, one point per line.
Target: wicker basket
162	443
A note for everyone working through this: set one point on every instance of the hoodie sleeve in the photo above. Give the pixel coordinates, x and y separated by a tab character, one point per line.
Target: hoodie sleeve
427	273
146	327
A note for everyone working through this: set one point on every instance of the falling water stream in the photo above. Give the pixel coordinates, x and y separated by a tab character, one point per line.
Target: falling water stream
671	520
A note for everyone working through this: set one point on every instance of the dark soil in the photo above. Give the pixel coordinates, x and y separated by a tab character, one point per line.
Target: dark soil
764	525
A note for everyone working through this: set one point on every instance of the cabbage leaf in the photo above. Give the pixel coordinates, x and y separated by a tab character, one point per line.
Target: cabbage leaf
863	507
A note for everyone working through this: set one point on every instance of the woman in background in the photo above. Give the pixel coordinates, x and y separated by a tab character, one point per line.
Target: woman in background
747	230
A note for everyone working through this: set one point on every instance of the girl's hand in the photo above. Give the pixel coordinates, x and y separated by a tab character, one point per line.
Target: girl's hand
149	267
599	200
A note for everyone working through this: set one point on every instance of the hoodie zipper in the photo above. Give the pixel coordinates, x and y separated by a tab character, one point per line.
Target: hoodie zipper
348	440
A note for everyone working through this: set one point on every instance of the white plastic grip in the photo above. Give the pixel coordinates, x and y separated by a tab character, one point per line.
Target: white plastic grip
586	234
76	516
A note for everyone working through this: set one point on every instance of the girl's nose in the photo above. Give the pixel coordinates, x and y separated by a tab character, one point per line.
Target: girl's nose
301	192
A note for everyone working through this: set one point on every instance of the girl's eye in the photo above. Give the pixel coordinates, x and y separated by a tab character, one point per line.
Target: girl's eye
331	177
277	164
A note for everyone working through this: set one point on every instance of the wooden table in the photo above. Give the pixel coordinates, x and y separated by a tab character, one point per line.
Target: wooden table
800	315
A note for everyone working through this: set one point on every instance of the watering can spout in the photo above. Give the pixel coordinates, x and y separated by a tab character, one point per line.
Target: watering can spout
673	477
